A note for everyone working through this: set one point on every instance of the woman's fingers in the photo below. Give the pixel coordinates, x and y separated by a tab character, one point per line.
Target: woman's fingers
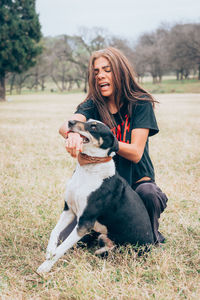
74	144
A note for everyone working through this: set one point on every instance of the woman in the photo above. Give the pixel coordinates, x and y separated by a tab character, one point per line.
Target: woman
116	99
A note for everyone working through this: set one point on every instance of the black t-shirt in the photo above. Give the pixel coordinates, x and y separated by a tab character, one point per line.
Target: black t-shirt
142	117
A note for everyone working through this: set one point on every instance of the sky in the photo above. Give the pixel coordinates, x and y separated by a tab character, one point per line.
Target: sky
125	18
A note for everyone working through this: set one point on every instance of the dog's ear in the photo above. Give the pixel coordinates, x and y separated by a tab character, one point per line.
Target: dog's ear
115	145
110	142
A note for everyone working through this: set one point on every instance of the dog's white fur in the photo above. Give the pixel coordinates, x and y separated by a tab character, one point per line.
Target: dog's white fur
85	180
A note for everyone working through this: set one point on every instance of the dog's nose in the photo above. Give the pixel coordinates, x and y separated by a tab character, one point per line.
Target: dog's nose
71	123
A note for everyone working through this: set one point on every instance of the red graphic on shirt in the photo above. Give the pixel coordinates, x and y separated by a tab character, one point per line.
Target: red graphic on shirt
121	131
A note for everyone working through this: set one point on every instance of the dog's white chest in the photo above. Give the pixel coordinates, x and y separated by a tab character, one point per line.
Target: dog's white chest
79	187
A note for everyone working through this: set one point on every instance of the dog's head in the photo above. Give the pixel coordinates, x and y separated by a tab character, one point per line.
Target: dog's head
98	140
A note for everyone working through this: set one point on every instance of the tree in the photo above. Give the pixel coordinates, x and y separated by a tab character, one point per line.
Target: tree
151	52
40	72
184	49
19	35
79	48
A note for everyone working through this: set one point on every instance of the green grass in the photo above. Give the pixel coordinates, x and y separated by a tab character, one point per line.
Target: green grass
173	86
167	86
35	167
48	90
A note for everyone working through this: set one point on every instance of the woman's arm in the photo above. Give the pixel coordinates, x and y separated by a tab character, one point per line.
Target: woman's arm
135	150
74	142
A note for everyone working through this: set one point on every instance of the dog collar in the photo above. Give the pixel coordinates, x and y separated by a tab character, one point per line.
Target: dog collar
85	159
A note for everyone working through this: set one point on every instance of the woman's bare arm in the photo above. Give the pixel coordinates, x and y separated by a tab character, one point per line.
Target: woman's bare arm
135	150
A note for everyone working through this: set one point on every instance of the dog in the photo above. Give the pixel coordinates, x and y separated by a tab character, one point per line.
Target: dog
99	198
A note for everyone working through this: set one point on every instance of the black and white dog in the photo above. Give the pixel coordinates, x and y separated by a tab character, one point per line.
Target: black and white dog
99	198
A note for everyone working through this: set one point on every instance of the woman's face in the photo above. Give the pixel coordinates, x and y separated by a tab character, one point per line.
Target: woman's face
104	78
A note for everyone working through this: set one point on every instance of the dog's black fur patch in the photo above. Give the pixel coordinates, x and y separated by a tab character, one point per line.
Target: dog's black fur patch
121	210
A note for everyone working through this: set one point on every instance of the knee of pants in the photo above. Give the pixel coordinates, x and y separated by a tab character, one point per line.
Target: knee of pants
152	196
148	194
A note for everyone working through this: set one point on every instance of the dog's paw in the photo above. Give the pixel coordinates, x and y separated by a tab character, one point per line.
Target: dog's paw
101	251
104	250
45	266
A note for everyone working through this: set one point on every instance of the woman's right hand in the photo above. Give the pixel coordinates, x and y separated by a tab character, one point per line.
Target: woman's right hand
74	144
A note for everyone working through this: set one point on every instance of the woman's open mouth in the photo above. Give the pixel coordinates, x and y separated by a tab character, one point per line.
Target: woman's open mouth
104	86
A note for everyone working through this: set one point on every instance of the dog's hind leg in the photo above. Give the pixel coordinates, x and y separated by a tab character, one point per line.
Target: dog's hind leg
66	218
108	244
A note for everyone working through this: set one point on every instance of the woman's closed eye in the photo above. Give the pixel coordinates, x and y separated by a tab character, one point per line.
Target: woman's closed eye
107	69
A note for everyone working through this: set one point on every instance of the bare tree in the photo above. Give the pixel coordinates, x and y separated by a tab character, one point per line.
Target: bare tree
184	49
152	55
40	72
65	58
79	48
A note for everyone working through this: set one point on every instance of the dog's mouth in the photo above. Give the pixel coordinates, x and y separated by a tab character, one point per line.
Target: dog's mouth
85	138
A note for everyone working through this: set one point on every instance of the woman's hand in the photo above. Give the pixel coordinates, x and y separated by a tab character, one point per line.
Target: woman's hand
74	144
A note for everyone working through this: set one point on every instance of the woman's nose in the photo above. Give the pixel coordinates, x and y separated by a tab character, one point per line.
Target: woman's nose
101	74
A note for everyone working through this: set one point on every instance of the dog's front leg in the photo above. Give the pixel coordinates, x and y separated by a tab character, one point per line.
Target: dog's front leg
71	240
66	218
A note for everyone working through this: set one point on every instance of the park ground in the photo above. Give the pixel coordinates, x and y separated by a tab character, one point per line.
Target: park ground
168	85
34	169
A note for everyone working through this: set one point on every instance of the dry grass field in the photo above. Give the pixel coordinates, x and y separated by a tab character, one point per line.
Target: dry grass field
34	168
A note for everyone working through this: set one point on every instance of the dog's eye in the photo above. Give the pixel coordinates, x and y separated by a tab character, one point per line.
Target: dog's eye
93	126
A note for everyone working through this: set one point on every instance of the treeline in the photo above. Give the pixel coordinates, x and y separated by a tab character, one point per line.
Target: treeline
64	59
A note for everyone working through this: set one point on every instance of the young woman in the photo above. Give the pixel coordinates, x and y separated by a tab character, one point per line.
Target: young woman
116	99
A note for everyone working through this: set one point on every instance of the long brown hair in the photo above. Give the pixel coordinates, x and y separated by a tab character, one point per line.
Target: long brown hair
124	80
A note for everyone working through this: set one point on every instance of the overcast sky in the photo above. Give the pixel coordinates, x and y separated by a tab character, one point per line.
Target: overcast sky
124	18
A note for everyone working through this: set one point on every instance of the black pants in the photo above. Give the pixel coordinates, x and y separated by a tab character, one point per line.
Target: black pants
155	202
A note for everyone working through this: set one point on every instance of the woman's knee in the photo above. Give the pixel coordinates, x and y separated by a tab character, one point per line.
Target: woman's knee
152	196
146	191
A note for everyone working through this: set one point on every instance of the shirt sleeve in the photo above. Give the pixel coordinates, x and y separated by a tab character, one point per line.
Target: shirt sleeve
87	109
144	117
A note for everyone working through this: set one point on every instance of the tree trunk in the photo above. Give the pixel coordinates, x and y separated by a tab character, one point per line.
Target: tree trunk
55	81
70	85
42	84
78	84
154	79
2	88
12	83
20	88
186	74
181	74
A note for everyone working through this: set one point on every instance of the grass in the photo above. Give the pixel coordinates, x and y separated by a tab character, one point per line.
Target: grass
173	86
168	85
35	167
